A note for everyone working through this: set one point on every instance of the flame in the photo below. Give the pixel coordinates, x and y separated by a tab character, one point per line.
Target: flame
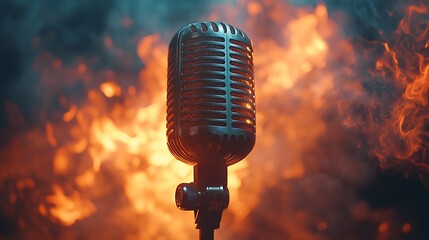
68	209
407	68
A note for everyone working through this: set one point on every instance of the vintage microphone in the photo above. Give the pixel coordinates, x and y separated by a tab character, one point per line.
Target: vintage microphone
210	113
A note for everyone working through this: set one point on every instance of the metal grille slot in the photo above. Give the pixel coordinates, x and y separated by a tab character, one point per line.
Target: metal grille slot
205	61
203	84
241	44
215	27
198	69
241	51
202	91
198	47
248	75
244	111
193	28
247	82
247	58
244	88
223	27
232	29
203	40
199	76
193	55
247	96
200	100
169	116
202	115
203	123
243	103
242	66
204	27
189	108
244	119
247	127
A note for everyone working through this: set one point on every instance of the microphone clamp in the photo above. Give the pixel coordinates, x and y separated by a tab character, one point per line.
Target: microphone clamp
207	203
207	196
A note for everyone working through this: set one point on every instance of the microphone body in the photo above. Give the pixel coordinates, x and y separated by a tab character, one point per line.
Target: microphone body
210	113
210	94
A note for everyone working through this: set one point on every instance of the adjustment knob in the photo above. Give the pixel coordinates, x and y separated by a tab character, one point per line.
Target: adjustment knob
187	196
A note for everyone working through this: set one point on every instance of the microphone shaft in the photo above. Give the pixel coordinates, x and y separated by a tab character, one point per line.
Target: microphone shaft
207	234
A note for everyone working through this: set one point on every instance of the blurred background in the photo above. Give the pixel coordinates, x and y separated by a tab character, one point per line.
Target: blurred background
342	92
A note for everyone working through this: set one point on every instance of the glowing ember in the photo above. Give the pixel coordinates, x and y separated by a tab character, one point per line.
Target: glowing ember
110	89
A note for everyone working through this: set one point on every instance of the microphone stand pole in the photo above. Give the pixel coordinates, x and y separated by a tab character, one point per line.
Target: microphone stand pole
206	234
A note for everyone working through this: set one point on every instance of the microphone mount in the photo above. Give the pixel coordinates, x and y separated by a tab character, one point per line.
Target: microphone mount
207	196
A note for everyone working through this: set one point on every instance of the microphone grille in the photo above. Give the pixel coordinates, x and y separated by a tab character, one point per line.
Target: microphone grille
216	76
210	93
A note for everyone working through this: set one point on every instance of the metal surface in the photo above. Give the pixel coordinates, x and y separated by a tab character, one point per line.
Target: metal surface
188	197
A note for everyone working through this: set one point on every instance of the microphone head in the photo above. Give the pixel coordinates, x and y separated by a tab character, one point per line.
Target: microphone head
210	94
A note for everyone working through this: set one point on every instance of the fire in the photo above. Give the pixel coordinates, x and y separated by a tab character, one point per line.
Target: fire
308	51
404	65
68	209
102	159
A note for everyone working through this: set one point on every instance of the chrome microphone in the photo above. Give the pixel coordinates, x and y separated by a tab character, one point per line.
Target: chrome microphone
210	113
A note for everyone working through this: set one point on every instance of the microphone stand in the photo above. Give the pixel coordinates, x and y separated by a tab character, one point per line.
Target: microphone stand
207	196
206	234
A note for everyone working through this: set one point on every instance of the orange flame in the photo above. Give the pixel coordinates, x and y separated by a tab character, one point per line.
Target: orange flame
408	69
68	209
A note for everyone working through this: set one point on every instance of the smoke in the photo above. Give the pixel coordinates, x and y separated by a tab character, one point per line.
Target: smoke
71	31
391	108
